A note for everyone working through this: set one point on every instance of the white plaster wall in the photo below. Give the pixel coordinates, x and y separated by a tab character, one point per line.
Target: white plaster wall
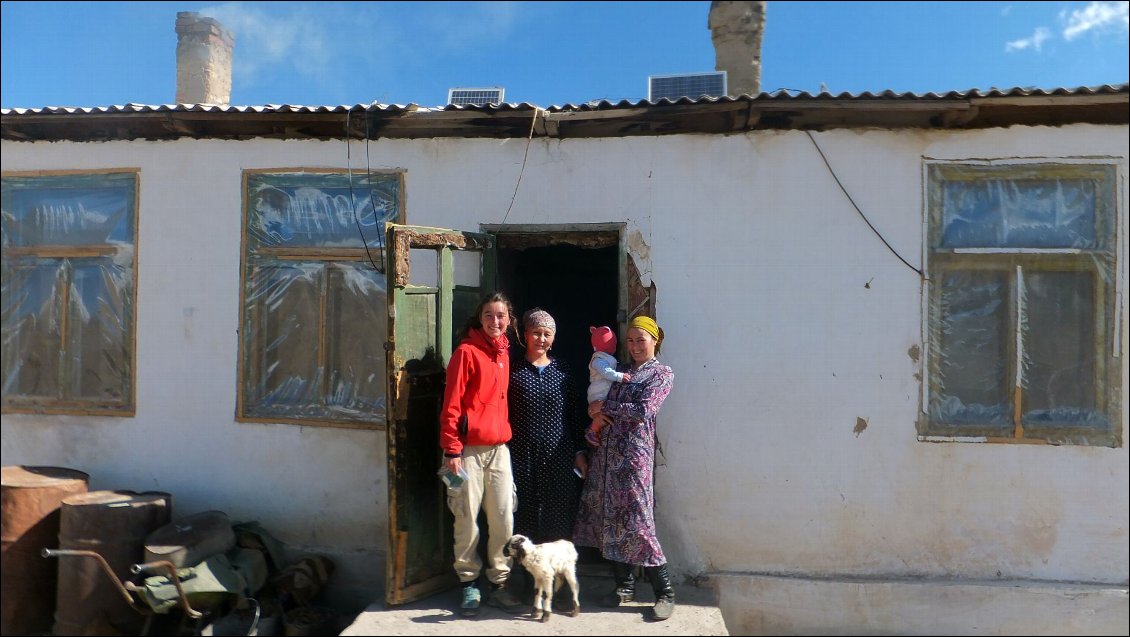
787	320
765	605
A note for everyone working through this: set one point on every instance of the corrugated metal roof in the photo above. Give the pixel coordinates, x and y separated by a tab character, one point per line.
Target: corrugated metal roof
203	108
785	94
777	110
780	95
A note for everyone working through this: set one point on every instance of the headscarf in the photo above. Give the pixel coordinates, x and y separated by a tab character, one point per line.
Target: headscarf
650	326
539	318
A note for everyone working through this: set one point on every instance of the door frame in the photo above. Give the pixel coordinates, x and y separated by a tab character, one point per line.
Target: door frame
632	298
557	233
410	466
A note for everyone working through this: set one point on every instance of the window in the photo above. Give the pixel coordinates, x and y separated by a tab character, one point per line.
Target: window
68	286
314	305
1022	305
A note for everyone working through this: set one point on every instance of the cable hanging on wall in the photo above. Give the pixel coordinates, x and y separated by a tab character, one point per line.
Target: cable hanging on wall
372	202
521	172
857	209
369	185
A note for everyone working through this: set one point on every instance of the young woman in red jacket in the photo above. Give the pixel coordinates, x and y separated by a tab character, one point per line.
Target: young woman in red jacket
474	428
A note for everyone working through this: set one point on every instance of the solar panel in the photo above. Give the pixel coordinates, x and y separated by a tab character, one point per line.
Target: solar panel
475	96
692	85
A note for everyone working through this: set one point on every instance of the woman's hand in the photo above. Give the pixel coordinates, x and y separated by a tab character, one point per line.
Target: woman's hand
453	464
581	461
595	407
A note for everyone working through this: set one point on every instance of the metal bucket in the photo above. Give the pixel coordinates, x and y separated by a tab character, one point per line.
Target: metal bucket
29	522
114	525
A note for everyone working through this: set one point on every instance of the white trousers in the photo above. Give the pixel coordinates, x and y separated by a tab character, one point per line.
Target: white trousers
490	487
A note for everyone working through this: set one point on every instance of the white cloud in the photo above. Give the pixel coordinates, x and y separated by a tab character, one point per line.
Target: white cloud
293	40
1035	42
1098	17
473	24
305	39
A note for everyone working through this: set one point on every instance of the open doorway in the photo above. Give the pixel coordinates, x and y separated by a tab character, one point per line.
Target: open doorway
573	272
580	273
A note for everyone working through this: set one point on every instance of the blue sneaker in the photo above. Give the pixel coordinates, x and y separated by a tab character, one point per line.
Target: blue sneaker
471	598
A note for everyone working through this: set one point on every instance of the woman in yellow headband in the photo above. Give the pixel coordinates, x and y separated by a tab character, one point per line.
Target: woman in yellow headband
616	513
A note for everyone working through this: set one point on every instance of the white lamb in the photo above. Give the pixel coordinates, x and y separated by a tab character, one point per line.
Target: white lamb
551	564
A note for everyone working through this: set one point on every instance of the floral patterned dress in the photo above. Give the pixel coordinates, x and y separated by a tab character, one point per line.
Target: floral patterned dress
546	418
616	513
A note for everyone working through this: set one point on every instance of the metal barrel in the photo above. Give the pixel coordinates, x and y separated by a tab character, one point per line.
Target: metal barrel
113	524
29	522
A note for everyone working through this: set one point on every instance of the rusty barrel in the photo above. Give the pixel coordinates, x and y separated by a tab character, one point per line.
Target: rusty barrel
29	522
113	524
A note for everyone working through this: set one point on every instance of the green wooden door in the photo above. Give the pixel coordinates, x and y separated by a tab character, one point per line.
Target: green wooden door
422	319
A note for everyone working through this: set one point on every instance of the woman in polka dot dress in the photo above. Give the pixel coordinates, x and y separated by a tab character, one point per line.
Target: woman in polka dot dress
548	423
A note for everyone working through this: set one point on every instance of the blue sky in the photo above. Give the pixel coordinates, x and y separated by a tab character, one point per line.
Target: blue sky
548	53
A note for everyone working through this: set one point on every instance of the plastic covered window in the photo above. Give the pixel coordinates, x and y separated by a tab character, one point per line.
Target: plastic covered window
320	210
1019	214
68	281
315	311
1022	310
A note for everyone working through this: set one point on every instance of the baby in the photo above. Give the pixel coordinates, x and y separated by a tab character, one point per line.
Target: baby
602	373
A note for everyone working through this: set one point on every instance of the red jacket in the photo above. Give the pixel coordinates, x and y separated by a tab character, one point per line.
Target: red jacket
478	378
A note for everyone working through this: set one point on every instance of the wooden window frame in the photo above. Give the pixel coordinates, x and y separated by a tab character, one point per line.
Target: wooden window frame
1108	256
127	406
325	257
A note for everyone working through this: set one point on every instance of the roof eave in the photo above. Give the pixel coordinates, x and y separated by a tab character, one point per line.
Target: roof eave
715	116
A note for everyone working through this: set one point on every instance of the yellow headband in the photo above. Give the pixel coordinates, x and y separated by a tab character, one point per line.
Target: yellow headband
648	325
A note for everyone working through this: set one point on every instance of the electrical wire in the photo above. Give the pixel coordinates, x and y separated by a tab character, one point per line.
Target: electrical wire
521	172
853	204
352	198
372	202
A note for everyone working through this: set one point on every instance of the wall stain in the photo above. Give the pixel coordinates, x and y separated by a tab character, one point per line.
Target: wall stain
860	425
189	313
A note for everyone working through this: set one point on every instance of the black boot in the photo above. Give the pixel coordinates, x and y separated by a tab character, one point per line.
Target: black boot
625	586
664	593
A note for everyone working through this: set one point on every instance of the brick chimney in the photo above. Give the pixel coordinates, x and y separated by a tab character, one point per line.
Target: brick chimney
736	29
204	49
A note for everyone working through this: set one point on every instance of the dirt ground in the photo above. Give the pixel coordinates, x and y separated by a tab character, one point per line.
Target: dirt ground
696	613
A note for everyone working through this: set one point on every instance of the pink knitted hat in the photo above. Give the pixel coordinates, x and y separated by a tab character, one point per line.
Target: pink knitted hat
603	339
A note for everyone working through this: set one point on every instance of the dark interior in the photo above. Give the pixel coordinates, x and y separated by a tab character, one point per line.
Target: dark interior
577	285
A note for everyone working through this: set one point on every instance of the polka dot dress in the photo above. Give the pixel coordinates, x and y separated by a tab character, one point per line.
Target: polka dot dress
548	429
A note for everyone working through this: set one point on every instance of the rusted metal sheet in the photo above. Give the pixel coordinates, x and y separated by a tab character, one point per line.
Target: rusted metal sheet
113	524
29	522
